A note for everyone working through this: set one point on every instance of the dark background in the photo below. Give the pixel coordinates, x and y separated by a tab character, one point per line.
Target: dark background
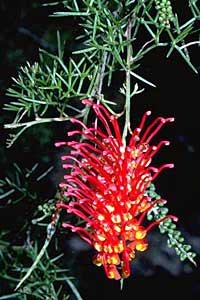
25	27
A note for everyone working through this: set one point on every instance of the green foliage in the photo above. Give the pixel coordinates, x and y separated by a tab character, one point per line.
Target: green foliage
20	185
175	238
105	28
42	86
22	260
45	282
46	91
165	14
47	87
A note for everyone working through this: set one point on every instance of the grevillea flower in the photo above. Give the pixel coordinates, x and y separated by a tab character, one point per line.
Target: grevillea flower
106	182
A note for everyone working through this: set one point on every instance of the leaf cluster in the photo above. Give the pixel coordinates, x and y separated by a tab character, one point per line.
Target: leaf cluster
105	23
175	237
46	91
21	255
45	280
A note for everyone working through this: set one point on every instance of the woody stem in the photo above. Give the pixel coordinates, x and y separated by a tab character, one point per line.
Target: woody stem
128	83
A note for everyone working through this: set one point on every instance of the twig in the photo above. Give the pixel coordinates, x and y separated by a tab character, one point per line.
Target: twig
74	289
128	82
142	48
50	232
100	78
102	73
35	122
189	44
28	124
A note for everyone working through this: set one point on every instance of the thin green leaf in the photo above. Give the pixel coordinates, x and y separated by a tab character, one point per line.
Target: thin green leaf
67	14
84	50
9	296
142	79
186	59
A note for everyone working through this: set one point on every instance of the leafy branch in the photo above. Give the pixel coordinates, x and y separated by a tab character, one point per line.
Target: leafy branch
47	90
42	266
18	188
175	237
19	185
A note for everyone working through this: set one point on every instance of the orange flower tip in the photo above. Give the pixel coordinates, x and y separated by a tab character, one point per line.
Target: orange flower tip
97	260
112	273
62	185
58	144
141	246
163	201
98	246
112	117
113	259
170	119
125	274
163	120
81	201
59	205
166	143
70	133
72	228
148	113
100	217
174	218
138	130
171	166
65	225
140	234
86	101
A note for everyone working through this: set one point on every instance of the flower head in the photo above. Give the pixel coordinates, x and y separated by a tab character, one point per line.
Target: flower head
107	182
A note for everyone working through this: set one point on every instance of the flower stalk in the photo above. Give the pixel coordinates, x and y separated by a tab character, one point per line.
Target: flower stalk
128	82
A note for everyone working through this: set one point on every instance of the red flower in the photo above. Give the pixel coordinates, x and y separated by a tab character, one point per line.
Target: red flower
107	183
